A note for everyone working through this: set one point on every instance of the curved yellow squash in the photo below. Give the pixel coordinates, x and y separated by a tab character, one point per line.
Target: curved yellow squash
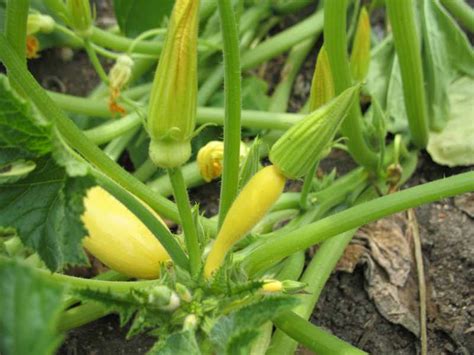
253	202
119	239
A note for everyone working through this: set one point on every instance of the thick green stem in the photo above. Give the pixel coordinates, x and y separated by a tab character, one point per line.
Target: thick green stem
81	143
407	44
213	115
15	30
315	276
232	92
283	245
95	61
122	44
335	42
80	284
313	337
159	230
461	10
189	228
192	178
283	41
296	58
146	171
82	314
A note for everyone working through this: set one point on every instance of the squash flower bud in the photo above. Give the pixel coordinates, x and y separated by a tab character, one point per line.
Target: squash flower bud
210	159
39	23
119	76
173	100
287	286
163	298
80	17
322	85
360	55
308	140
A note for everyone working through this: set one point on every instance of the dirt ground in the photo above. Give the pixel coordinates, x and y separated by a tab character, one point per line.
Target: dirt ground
344	308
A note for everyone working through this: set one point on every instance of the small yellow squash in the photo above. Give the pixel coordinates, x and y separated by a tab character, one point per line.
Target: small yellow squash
119	239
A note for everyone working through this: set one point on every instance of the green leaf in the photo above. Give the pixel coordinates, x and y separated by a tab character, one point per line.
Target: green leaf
233	334
45	209
454	146
137	16
447	55
30	307
183	342
21	133
384	83
3	6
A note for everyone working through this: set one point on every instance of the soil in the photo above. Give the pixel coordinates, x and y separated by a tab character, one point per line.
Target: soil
447	233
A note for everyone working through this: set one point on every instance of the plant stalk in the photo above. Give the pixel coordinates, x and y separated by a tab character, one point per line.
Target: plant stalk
189	228
232	92
335	42
407	44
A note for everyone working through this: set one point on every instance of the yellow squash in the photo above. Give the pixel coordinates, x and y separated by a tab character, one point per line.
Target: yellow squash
119	239
253	202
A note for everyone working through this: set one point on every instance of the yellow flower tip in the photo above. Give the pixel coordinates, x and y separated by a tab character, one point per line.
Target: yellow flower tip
119	239
32	47
272	286
210	159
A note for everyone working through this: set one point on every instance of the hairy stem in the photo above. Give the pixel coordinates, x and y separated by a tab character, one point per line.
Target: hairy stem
335	42
407	44
189	228
232	92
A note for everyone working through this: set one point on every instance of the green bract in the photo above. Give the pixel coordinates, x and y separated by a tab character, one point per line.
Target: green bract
304	143
172	110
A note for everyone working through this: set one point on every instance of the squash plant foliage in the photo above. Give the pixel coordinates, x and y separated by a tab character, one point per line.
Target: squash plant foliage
183	101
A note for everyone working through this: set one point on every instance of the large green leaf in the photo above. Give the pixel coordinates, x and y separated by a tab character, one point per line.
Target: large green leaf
447	55
21	133
137	16
45	209
234	333
30	307
455	144
384	83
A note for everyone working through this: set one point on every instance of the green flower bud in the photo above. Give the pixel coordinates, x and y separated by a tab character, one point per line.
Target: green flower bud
80	17
308	140
190	322
360	55
184	293
163	298
39	23
322	85
173	100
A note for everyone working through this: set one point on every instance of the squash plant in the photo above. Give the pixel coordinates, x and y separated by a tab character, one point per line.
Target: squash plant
235	282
